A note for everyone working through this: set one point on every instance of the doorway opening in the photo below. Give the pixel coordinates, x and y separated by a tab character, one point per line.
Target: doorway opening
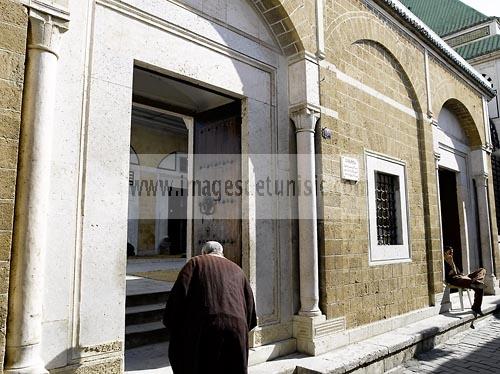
183	137
450	218
157	184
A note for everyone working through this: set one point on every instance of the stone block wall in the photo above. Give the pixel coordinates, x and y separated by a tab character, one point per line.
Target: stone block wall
13	27
352	288
374	77
293	22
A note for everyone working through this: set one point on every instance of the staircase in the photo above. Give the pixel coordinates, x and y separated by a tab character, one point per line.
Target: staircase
144	308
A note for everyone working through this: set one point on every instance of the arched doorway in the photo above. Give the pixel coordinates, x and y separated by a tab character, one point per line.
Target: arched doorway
458	205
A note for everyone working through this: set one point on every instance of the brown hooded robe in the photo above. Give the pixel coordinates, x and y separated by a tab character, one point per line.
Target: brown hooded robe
209	313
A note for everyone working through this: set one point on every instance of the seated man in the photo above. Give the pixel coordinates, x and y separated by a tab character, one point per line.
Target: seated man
474	280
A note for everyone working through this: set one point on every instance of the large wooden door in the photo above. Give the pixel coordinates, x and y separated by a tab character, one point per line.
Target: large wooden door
217	172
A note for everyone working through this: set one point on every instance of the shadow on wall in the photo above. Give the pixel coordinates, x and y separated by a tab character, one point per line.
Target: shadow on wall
137	361
104	366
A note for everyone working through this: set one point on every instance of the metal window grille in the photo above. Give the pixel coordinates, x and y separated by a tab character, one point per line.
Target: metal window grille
385	195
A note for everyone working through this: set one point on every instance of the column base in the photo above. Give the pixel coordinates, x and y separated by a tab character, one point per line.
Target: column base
24	360
310	313
32	369
491	283
314	333
28	370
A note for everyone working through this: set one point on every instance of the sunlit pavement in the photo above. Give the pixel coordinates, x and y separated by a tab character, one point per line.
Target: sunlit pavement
473	351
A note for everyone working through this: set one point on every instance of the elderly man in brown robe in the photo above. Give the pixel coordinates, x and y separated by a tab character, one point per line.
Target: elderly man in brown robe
209	313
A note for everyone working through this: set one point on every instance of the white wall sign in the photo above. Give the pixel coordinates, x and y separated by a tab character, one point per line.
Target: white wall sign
350	168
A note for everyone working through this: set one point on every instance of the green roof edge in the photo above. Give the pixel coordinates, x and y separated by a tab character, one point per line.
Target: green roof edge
435	40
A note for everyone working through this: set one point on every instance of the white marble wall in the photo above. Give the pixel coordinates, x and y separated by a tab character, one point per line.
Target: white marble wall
85	267
64	175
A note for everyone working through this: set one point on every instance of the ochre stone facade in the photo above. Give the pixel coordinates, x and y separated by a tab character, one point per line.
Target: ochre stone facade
378	93
367	47
13	25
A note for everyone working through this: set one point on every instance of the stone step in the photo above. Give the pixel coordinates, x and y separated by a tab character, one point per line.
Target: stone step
144	334
140	285
145	305
144	314
147	298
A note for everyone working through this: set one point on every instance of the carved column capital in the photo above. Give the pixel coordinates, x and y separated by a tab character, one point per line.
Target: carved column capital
305	119
437	154
437	157
481	179
45	31
488	148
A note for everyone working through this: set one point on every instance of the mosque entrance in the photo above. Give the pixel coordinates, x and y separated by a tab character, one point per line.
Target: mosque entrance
185	166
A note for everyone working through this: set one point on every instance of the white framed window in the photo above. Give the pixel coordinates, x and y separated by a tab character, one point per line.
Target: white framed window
387	209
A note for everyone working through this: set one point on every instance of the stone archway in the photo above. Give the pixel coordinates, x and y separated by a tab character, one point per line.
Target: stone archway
465	118
352	27
282	16
453	145
458	144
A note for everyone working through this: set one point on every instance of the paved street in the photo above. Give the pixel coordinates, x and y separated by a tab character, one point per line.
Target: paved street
473	351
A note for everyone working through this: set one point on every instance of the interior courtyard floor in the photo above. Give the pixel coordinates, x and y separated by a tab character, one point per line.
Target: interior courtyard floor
153	263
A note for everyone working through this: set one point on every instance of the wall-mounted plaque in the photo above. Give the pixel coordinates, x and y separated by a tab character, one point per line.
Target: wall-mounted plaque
349	168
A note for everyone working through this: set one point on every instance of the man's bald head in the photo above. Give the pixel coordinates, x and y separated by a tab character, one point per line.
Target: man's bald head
212	247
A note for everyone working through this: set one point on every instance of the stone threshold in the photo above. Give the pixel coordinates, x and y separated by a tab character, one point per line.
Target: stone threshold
382	352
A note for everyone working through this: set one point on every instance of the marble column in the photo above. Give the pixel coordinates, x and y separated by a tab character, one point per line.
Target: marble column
24	326
440	297
305	123
485	238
